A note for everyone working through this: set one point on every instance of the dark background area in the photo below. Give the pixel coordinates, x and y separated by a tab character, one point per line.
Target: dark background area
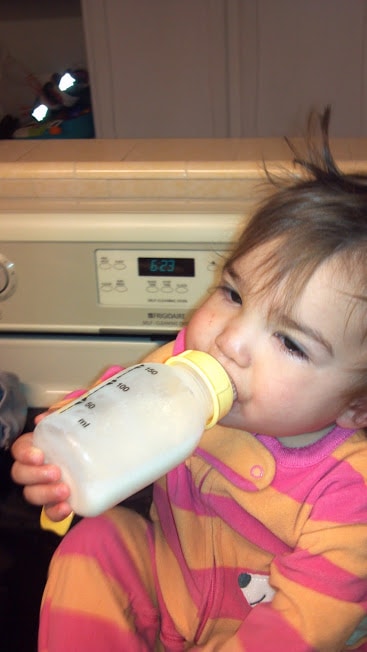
25	553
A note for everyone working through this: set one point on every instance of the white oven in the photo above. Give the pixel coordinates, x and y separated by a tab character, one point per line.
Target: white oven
82	291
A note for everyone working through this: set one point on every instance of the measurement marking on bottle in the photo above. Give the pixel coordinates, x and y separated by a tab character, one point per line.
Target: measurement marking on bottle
84	423
125	388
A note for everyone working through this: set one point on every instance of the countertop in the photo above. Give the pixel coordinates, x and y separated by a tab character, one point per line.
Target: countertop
138	174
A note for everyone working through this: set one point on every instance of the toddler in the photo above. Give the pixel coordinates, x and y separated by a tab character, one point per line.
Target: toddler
258	542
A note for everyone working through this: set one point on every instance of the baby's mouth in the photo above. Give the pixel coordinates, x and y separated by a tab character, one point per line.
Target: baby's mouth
234	390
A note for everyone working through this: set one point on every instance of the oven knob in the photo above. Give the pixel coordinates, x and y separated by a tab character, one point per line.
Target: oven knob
7	277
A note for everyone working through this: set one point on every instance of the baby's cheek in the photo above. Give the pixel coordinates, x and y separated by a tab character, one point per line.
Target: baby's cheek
195	333
189	340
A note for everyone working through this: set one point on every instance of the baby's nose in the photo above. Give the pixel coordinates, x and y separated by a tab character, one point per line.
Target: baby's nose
235	343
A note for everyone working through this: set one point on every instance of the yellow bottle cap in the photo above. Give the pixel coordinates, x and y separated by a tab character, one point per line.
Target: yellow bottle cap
216	380
58	527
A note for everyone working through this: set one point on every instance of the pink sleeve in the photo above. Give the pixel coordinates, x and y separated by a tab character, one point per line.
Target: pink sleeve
179	346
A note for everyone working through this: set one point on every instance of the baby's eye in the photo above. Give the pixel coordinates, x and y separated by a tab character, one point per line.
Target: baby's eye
231	294
290	346
234	296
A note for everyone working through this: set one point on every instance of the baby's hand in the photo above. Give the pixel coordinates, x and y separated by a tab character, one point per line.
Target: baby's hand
42	482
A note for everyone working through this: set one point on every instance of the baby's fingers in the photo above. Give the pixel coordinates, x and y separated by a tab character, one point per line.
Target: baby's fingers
27	474
58	512
52	495
24	451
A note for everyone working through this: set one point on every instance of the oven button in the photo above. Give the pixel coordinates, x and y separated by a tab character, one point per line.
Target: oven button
7	277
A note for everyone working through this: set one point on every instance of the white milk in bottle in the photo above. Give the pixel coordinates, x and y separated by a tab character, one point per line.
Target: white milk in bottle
134	427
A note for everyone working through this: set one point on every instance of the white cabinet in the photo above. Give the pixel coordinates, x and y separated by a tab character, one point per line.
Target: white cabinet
219	68
310	53
158	67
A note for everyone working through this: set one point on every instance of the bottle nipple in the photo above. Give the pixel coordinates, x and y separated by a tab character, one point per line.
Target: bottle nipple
216	379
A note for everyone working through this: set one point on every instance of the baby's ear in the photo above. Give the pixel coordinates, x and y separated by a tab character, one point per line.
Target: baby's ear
355	416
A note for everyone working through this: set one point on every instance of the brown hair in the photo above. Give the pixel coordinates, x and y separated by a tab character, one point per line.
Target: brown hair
316	215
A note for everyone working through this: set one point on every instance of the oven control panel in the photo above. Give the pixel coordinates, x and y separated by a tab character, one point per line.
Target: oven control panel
106	288
157	288
155	279
113	274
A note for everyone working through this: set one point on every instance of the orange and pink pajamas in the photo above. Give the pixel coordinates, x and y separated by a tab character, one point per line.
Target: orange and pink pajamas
251	547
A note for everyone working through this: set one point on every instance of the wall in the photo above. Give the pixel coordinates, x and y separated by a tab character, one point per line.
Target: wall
44	37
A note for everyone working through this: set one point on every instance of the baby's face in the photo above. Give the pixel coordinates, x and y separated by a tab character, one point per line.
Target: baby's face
292	371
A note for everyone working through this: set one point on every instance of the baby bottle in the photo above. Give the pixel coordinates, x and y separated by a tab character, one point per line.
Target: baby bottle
134	427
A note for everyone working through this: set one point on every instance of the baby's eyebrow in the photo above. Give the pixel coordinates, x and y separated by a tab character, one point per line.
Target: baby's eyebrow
314	334
237	278
286	320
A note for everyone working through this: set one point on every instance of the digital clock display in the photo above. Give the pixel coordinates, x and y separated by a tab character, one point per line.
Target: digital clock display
166	266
